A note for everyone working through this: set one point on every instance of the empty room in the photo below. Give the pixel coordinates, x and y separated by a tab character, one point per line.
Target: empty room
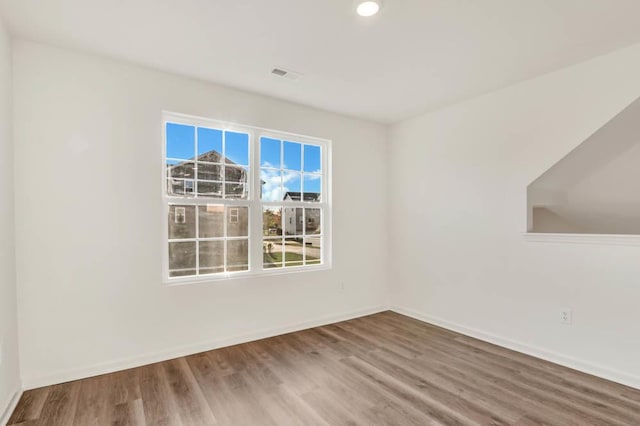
329	212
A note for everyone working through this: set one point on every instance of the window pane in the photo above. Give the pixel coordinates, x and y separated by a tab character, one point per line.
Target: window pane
236	148
312	159
272	221
313	250
208	171
211	257
181	142
236	191
182	259
292	156
293	220
209	140
180	187
237	221
292	183
211	221
181	170
209	189
312	187
312	218
235	174
182	222
237	255
272	253
271	181
270	153
236	186
293	252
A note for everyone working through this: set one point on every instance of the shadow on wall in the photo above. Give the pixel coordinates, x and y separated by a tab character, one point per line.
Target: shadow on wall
594	189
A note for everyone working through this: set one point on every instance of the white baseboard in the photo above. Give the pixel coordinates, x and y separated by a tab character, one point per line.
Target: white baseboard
12	404
547	355
150	358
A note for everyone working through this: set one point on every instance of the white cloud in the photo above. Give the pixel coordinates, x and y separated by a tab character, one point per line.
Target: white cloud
271	190
272	180
314	176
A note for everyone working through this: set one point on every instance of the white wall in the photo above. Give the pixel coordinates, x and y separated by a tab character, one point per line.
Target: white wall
458	195
608	199
615	183
605	200
89	225
594	188
453	200
9	377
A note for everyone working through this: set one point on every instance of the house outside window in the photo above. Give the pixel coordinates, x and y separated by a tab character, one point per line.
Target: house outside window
243	201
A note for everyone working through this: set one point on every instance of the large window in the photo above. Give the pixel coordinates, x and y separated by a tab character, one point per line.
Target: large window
242	200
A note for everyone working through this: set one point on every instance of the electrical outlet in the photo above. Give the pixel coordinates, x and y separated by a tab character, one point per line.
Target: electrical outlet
342	286
566	316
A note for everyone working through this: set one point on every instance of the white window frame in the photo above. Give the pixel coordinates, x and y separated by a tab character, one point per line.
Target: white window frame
254	202
180	212
234	215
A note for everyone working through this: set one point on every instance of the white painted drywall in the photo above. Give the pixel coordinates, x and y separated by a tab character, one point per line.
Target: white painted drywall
88	138
615	183
9	376
458	195
453	199
593	189
608	199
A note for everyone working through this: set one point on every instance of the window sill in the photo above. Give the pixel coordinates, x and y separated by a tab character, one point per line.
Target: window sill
596	239
172	282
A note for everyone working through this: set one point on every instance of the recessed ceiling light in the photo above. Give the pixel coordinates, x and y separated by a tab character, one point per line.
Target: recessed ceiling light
368	8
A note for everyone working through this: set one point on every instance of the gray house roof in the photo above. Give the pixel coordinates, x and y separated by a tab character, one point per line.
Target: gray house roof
296	196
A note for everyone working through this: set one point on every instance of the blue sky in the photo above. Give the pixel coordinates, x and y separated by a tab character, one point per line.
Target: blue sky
281	178
270	155
181	143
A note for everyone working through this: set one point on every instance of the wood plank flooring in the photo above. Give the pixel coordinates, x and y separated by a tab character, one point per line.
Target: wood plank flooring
380	369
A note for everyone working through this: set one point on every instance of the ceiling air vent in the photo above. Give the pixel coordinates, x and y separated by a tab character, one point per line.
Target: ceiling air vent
288	74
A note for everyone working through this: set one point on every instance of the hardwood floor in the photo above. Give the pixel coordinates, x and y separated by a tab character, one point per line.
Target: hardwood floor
381	369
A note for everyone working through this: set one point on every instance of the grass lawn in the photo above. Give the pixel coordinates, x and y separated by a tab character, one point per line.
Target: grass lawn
276	259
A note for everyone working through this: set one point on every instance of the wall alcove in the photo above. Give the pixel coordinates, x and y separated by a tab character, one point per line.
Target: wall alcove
594	190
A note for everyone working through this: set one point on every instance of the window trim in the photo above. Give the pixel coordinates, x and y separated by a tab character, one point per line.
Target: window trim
254	202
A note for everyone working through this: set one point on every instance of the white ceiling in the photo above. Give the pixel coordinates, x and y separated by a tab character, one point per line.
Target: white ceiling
415	56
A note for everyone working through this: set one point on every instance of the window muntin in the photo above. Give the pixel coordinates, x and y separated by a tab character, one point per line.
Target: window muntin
204	243
292	236
290	170
221	168
292	230
214	199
